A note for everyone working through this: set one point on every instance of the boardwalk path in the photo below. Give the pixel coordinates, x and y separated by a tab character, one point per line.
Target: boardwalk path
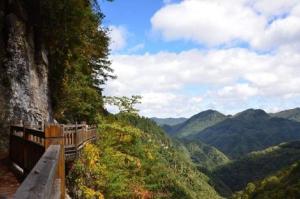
8	180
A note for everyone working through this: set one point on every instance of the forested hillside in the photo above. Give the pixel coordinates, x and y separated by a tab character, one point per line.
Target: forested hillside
292	114
206	157
195	124
248	131
283	184
258	165
132	158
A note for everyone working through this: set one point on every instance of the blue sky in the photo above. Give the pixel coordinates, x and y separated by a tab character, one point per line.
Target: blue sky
187	56
135	15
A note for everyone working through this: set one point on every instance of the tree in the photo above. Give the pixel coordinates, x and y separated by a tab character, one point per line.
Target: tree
78	49
124	104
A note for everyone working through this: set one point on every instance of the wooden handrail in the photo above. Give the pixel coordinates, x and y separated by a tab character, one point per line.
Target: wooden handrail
44	180
30	146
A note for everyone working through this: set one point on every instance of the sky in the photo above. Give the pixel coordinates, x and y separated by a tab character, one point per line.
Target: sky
187	56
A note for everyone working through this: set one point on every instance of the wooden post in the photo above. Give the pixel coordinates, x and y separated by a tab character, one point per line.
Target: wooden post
54	135
76	135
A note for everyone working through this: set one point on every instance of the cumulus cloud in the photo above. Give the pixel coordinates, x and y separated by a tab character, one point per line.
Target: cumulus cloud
264	24
118	36
264	75
229	76
272	8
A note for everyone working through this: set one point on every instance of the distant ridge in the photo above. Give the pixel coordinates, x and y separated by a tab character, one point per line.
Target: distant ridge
252	114
196	123
248	131
242	133
168	121
291	114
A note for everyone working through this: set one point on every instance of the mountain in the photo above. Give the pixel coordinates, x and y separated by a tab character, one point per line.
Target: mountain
168	121
195	124
204	156
283	184
258	165
292	114
248	131
133	158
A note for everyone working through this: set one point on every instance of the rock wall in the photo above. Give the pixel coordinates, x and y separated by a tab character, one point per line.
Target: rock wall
24	90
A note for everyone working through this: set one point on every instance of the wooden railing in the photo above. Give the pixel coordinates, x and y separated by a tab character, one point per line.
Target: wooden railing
30	148
75	136
45	180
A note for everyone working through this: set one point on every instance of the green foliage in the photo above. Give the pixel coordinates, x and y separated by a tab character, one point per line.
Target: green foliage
132	158
258	165
195	124
251	130
283	184
204	156
125	104
78	57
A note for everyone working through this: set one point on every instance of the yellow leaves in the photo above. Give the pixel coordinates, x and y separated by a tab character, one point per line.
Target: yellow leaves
125	160
92	155
149	155
89	193
126	138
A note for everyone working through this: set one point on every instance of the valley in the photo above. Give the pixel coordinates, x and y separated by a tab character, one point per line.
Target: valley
246	154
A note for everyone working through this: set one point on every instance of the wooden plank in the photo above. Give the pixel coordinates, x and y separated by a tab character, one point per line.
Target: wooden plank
54	135
39	183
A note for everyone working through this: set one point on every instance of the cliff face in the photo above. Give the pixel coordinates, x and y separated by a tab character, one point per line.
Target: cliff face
24	92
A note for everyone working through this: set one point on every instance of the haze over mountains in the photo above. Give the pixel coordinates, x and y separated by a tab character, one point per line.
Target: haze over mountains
169	121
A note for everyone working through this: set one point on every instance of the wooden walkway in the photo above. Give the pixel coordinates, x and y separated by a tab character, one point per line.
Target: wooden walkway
9	181
40	154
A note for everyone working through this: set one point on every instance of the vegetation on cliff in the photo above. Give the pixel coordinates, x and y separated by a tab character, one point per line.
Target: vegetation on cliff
258	165
132	158
78	56
283	184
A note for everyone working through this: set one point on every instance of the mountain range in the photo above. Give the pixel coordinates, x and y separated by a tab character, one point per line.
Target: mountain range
252	154
238	135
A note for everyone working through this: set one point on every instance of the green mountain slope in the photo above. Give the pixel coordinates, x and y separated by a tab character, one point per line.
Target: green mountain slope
248	131
133	158
168	121
204	156
195	124
258	165
283	184
292	114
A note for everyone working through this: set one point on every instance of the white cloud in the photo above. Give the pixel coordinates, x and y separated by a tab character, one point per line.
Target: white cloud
229	80
264	24
240	91
274	7
118	35
282	32
210	22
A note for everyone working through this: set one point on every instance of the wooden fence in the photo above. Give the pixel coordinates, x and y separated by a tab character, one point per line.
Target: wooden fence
41	153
